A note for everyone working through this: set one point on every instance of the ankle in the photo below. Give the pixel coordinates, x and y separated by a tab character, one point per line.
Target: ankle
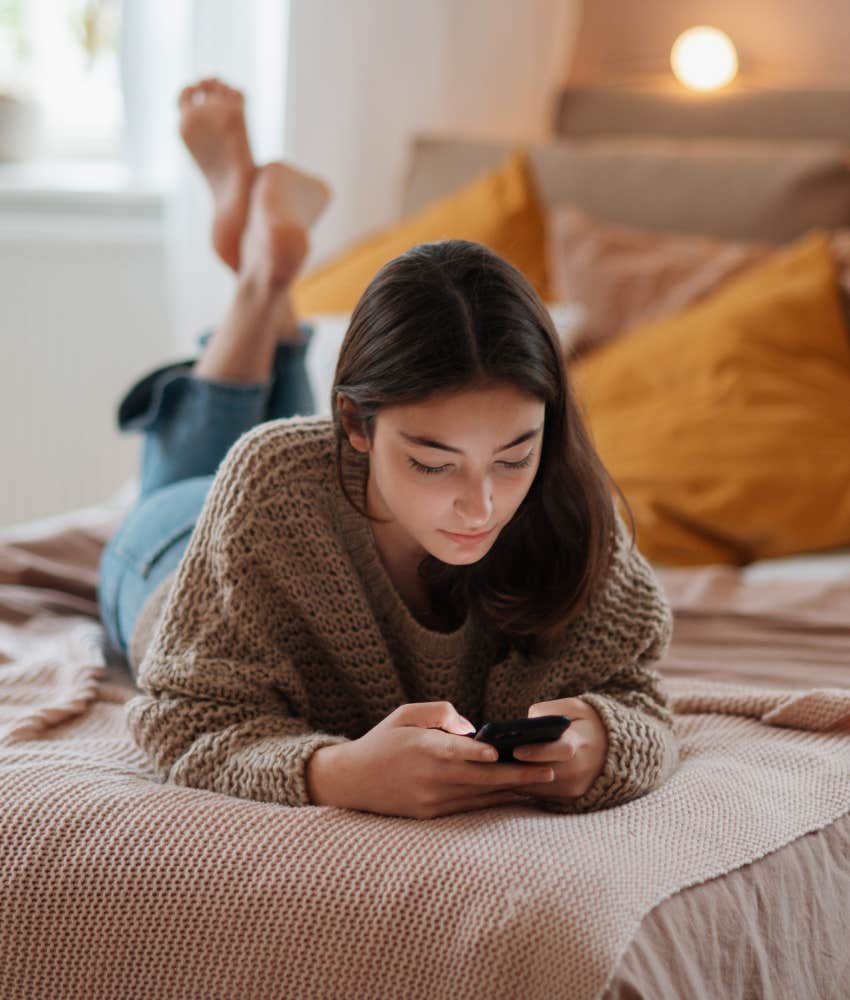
282	319
257	289
241	349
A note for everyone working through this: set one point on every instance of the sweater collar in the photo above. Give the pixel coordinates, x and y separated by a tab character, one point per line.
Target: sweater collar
358	541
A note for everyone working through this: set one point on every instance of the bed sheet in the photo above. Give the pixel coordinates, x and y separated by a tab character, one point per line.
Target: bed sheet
778	927
774	928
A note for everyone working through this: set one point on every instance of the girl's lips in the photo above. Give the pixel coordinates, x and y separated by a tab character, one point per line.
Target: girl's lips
467	538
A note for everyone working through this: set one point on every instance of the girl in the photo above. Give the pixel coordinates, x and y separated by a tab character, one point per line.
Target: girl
319	610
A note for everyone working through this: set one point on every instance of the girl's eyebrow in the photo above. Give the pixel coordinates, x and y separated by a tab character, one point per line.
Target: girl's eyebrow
428	443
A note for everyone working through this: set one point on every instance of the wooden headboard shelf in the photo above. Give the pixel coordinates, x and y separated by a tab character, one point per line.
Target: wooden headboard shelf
586	112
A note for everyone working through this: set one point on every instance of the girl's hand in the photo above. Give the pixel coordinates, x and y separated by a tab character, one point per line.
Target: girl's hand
577	758
419	763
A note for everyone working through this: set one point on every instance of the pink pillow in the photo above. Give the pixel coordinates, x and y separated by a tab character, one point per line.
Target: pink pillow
623	277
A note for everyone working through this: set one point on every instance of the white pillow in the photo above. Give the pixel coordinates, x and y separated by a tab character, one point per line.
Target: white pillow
328	333
329	330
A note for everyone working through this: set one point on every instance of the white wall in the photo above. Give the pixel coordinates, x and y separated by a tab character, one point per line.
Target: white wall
365	76
84	307
793	43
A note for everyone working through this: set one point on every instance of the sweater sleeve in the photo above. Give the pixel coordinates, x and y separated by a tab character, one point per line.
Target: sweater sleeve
216	708
642	749
630	624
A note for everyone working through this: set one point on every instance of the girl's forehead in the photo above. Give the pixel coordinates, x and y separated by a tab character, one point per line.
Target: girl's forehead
504	401
478	418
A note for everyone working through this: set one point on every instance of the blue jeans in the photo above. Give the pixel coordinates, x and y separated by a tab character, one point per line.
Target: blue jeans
189	425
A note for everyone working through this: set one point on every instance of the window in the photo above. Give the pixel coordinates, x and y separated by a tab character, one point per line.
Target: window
59	71
88	88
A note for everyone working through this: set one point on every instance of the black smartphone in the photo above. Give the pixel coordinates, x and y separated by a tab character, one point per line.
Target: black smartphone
504	736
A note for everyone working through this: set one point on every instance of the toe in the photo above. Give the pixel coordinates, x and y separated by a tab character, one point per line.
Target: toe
231	92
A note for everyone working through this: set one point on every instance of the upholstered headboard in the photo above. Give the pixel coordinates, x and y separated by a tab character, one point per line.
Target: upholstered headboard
762	166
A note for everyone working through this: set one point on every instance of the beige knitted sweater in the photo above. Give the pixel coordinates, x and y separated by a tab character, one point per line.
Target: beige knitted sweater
281	632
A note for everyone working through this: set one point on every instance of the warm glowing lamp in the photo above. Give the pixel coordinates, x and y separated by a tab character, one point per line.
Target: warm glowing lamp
704	58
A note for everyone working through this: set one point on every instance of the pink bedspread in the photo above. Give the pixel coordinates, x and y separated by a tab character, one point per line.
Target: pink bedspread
758	930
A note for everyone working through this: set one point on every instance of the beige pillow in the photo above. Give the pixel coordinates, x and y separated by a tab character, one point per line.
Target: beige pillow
623	277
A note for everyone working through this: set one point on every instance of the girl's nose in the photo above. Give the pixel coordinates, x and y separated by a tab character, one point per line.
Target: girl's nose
475	506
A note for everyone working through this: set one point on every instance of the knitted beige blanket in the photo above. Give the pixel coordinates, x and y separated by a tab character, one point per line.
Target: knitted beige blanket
115	885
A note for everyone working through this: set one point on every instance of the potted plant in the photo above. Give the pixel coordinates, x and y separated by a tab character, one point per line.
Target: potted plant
20	117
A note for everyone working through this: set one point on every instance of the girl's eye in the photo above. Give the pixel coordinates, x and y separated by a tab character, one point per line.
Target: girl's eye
430	470
522	463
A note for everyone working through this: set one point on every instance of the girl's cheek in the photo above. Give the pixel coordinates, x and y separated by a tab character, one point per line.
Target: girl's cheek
422	501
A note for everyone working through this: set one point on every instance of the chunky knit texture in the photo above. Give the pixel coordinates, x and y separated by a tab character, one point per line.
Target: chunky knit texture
701	889
280	632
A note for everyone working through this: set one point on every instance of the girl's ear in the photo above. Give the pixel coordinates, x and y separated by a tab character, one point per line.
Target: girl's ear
351	423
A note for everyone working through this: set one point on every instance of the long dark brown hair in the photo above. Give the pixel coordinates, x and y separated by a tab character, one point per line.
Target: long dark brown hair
450	316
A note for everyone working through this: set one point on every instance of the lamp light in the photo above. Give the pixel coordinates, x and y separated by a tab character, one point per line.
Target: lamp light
704	58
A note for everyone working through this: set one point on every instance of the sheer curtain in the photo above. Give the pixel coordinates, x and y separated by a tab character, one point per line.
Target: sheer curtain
167	44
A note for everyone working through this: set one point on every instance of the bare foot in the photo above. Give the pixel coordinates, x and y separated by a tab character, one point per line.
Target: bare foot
283	204
303	196
212	124
272	248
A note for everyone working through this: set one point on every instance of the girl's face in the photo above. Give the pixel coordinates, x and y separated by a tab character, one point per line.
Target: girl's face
453	466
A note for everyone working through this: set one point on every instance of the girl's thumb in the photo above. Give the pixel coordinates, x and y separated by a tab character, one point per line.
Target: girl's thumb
464	726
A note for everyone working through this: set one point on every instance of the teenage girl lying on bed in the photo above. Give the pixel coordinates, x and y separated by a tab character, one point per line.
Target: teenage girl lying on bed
320	610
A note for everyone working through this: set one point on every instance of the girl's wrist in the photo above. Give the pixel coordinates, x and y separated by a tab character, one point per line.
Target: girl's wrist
322	775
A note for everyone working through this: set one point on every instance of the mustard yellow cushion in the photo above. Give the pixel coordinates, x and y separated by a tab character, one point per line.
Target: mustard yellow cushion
500	209
727	425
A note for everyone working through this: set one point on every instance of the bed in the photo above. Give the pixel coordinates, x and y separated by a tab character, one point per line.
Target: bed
116	885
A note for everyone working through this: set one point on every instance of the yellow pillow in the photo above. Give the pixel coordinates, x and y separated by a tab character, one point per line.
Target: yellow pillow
727	425
500	209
